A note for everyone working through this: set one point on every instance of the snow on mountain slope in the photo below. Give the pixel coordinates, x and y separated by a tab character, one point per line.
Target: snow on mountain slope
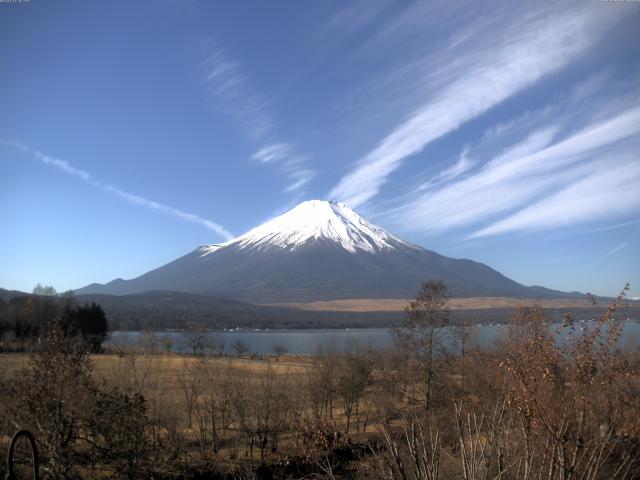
316	220
318	251
207	249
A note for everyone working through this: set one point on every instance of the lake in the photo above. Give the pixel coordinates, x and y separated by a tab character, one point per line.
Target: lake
307	342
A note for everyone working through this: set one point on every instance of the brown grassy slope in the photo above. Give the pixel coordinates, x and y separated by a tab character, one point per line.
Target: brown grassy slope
469	303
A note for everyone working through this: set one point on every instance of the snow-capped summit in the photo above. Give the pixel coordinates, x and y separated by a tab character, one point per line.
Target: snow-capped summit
315	220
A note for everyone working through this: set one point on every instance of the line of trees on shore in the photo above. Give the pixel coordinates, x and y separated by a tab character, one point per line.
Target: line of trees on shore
27	319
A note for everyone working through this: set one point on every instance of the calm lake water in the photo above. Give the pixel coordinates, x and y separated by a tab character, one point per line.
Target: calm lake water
307	342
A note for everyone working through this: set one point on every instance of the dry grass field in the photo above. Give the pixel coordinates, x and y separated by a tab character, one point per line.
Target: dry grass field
470	303
180	392
167	366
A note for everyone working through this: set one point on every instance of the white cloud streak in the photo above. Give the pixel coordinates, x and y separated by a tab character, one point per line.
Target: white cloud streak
485	77
606	228
134	199
615	250
293	166
354	16
175	212
523	173
463	165
230	87
272	152
299	178
609	191
65	167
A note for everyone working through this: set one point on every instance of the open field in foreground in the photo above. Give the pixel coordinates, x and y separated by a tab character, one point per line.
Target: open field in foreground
166	367
523	406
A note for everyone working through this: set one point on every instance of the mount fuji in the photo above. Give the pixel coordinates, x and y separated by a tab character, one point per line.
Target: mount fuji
319	250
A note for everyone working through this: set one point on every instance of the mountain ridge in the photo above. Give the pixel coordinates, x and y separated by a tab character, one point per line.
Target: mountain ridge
319	250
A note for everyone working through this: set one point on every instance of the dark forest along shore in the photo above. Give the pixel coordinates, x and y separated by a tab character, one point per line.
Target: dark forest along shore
309	341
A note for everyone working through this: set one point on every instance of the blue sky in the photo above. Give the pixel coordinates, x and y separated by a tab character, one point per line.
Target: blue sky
505	132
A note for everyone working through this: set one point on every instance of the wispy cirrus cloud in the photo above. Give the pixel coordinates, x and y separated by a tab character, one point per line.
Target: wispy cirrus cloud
470	84
272	153
231	91
611	189
606	228
129	197
293	165
231	88
463	165
542	181
351	19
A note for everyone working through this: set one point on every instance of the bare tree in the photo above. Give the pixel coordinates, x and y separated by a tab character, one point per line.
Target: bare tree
321	383
189	382
354	376
262	409
465	335
411	453
417	335
194	337
53	400
279	350
167	343
240	348
148	342
573	403
44	290
218	344
215	398
388	387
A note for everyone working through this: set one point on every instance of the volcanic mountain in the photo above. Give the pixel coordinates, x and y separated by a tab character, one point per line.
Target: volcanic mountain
318	250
